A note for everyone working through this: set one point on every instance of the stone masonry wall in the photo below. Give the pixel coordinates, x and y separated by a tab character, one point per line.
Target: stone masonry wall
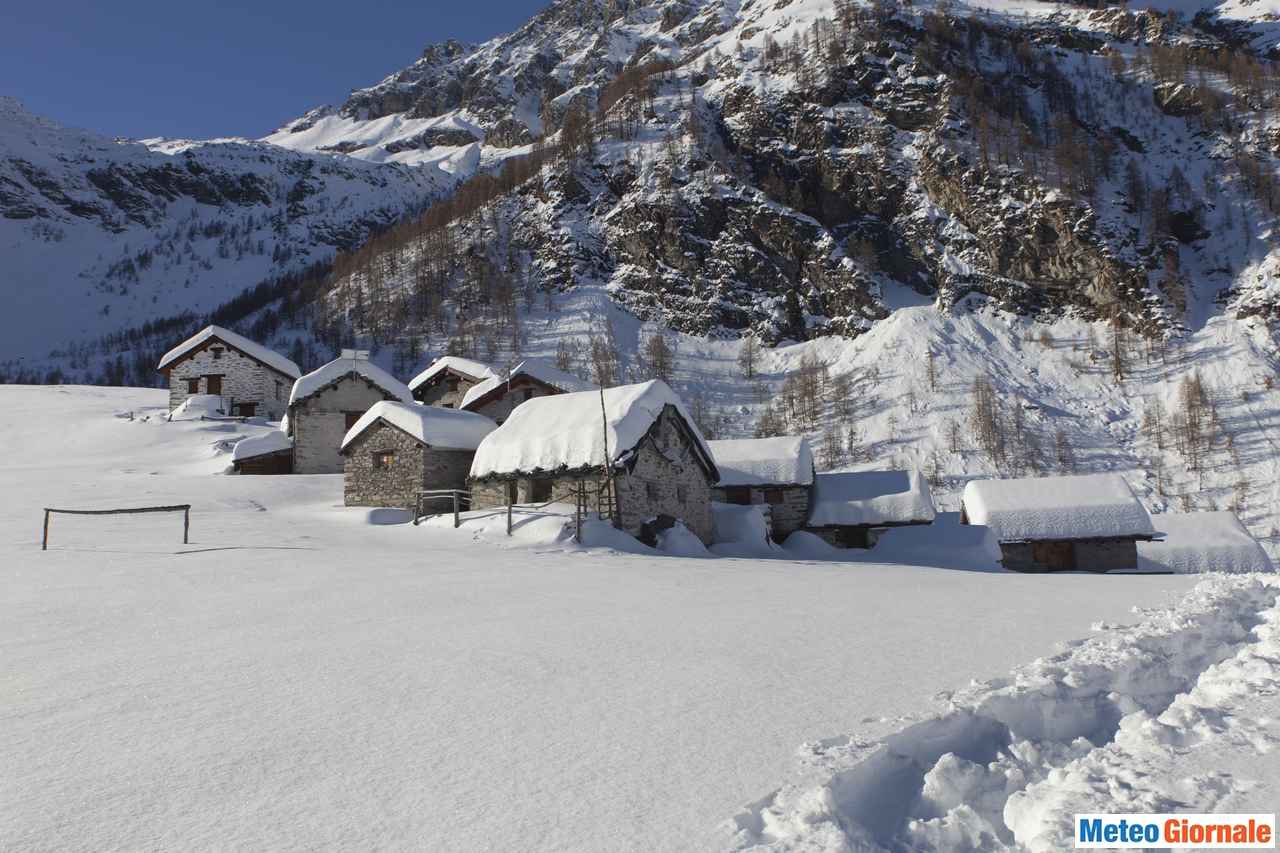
666	480
319	423
415	467
243	380
500	408
438	394
788	515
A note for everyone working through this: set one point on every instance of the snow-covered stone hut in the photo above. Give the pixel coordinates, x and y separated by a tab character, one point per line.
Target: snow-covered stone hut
328	401
639	439
775	473
268	453
447	380
496	396
1195	542
1089	523
397	449
251	379
852	508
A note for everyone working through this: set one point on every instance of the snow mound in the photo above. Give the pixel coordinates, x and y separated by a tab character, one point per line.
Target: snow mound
1197	542
324	376
259	445
803	545
679	541
199	406
1056	507
783	461
255	350
945	543
871	497
534	368
1008	763
572	431
444	429
737	523
474	369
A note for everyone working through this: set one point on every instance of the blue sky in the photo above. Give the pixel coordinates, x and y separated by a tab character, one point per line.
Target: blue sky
144	68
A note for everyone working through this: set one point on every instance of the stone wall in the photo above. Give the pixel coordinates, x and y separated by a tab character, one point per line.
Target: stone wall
415	467
437	392
787	515
1088	555
244	380
522	388
319	423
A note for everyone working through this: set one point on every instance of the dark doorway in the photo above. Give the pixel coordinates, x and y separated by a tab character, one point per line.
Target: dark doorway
214	384
738	495
1055	556
539	491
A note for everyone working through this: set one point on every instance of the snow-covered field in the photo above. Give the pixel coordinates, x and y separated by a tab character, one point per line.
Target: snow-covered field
301	677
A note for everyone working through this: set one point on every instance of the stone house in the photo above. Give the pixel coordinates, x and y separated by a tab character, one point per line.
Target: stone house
496	396
631	453
251	379
1043	524
852	508
447	380
397	449
328	401
774	473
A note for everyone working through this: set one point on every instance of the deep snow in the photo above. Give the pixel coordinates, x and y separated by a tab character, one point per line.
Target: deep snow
304	676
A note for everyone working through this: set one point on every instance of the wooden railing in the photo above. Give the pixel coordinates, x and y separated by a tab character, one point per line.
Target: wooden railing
458	496
185	509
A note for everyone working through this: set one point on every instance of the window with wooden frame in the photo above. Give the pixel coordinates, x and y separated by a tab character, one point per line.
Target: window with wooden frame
383	459
193	386
352	417
217	352
738	495
774	496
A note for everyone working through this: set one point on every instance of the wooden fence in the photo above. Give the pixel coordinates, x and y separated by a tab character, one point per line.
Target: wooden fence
185	509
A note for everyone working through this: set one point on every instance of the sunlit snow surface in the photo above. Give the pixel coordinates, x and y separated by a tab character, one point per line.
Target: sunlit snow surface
305	676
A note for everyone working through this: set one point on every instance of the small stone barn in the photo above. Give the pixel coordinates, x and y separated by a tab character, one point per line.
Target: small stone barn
269	453
1195	542
776	473
448	380
397	449
496	396
633	452
851	509
252	379
328	401
1044	524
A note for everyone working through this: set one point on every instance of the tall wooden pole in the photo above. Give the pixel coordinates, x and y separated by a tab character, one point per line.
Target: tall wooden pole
44	544
186	524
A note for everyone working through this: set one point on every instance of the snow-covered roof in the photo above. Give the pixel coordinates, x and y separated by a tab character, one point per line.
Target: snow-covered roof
445	429
1056	508
1202	542
871	497
326	375
474	369
569	431
533	368
257	351
259	445
783	461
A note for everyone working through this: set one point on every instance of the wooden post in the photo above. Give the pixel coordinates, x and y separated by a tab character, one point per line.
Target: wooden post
44	544
508	513
579	498
186	524
457	522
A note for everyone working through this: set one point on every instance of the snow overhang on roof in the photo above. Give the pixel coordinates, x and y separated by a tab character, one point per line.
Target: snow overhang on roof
782	461
473	369
256	351
871	498
1039	508
323	377
440	428
534	369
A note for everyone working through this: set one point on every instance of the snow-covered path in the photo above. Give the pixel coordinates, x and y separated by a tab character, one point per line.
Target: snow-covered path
297	678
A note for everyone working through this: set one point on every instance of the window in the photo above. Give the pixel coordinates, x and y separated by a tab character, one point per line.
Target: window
682	493
193	386
738	495
773	496
217	353
279	388
527	394
351	418
213	383
651	491
383	459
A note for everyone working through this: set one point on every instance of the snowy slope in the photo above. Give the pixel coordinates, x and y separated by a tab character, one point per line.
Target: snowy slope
99	234
297	677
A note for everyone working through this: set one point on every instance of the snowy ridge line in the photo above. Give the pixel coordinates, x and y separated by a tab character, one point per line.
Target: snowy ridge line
1009	761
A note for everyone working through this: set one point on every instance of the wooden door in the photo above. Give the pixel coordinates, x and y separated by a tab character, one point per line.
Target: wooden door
1056	556
214	384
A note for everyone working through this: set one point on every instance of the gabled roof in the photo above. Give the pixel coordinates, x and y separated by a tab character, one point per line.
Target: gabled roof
1056	508
274	441
256	351
323	377
534	369
474	369
783	461
569	432
444	429
854	498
